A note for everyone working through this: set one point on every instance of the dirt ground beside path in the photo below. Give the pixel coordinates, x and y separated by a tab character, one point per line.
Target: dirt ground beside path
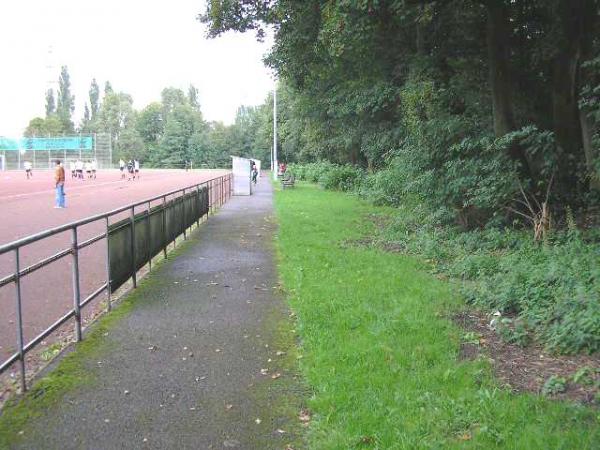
205	360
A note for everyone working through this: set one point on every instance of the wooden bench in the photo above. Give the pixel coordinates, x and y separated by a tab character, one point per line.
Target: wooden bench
288	181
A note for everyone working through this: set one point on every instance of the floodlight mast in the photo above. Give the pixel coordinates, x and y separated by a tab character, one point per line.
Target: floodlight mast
275	165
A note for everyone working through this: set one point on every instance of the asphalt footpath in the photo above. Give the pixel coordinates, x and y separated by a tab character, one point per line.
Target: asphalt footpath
195	365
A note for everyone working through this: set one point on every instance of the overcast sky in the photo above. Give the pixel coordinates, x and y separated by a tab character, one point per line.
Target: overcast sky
140	46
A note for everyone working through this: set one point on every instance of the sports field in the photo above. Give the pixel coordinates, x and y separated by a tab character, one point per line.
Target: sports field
27	207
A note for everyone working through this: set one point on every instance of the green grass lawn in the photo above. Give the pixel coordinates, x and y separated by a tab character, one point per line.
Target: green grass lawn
380	352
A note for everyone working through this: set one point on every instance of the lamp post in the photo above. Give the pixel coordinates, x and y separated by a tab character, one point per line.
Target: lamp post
275	165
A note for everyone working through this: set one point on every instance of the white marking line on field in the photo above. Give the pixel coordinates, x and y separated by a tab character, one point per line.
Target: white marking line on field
67	190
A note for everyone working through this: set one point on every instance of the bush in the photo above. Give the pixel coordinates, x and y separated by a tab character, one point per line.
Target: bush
552	288
329	175
342	178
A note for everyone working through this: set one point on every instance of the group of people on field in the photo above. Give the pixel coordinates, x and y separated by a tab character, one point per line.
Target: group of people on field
133	169
78	167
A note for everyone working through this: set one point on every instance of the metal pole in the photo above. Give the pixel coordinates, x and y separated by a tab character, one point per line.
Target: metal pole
210	196
75	272
110	149
133	258
184	216
164	223
20	320
108	286
275	169
198	203
148	231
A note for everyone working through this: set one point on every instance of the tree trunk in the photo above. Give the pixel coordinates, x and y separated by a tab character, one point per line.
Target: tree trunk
574	24
498	45
588	77
420	33
587	131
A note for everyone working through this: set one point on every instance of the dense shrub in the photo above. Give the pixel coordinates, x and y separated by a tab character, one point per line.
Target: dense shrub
330	176
342	178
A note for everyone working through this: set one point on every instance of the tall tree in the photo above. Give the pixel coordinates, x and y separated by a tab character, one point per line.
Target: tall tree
94	94
193	97
108	88
575	25
38	127
171	98
50	103
66	101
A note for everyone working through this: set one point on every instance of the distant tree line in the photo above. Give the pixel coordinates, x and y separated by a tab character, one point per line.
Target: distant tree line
168	133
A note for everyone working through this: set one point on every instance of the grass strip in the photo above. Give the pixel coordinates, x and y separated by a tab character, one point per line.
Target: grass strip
380	352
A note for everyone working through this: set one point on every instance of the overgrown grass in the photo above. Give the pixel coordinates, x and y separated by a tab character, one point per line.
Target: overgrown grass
380	352
553	287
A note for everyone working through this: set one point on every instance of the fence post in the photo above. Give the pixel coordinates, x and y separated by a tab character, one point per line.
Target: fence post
75	273
209	187
198	205
108	287
164	222
19	320
184	215
133	256
148	230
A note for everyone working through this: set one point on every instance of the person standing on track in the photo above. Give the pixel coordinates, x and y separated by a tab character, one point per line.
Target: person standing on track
79	167
130	170
27	165
59	183
73	169
136	169
94	168
122	168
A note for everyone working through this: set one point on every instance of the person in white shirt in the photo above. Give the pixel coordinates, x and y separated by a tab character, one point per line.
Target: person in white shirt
79	168
94	167
28	169
136	168
73	169
122	168
88	169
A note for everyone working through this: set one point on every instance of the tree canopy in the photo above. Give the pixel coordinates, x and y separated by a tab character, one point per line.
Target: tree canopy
452	90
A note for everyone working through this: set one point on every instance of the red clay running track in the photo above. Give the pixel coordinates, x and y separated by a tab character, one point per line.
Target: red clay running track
27	207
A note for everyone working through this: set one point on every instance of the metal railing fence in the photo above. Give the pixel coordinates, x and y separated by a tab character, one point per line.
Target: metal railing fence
170	219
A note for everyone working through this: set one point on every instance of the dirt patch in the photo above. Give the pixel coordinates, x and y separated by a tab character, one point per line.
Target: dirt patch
528	369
